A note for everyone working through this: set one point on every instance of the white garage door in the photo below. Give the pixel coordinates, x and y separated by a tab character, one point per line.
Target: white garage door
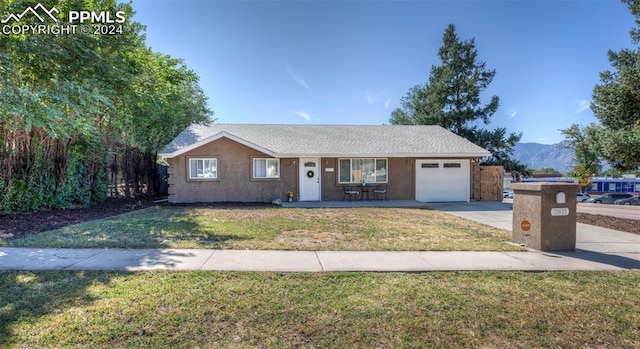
442	180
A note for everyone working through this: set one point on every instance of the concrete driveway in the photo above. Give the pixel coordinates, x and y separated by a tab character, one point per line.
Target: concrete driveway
588	237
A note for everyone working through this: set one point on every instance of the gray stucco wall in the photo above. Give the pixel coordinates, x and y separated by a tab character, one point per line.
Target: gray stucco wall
400	186
235	182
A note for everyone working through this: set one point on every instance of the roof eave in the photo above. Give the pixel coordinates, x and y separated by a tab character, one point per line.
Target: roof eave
215	137
383	155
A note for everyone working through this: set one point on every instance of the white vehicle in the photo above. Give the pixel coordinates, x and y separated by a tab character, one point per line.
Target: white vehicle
582	197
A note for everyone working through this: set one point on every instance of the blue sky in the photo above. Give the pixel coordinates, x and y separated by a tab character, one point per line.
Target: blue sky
335	62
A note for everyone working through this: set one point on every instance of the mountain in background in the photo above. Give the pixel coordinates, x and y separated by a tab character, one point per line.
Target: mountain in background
536	156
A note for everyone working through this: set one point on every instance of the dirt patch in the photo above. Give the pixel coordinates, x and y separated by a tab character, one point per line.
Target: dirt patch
19	224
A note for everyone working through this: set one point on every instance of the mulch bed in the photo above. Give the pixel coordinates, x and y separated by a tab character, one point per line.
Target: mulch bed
16	225
621	224
19	224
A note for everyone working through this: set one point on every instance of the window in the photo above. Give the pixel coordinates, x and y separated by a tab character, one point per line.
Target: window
430	165
363	170
612	186
205	168
266	168
451	165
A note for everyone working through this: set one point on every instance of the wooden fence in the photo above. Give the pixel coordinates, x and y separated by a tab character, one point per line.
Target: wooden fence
491	183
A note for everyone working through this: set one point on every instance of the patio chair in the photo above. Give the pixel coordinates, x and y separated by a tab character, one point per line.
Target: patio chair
380	192
350	192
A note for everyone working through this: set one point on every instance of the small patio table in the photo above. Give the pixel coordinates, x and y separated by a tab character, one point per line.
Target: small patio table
364	189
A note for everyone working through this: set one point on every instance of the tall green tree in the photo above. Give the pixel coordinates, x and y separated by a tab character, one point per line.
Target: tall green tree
616	103
451	99
70	101
583	142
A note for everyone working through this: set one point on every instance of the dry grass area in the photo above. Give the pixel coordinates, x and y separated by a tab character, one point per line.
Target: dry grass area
357	229
72	309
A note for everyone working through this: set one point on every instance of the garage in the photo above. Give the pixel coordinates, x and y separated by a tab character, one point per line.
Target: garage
442	180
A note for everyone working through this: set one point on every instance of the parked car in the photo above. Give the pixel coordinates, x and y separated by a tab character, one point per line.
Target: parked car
609	198
630	201
507	194
582	197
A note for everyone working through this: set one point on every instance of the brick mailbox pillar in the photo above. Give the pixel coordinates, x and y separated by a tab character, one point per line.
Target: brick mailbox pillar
544	215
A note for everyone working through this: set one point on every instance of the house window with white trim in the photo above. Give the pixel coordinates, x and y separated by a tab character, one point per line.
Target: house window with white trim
266	168
363	171
203	168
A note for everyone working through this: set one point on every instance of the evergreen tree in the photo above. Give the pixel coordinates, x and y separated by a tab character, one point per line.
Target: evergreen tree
451	99
616	104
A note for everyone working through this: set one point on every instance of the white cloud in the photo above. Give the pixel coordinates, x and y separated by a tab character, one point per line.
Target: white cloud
297	78
542	139
582	106
513	114
376	98
302	114
370	97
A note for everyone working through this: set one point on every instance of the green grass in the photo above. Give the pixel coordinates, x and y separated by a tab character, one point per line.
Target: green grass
69	309
376	229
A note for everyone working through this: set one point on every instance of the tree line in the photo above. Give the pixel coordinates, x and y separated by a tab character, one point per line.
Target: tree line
451	99
615	138
72	105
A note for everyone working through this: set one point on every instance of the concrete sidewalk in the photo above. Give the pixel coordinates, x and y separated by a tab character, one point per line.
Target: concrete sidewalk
307	261
597	249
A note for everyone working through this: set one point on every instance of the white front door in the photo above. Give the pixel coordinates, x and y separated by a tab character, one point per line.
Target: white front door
309	179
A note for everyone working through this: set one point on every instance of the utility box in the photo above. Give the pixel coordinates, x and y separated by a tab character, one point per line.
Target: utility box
544	215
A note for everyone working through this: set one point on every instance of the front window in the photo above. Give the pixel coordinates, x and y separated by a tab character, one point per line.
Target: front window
206	168
363	171
266	168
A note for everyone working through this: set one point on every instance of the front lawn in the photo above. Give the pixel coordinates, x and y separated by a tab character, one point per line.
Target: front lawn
374	229
73	309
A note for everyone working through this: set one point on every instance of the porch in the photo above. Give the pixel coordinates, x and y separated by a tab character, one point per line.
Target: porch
358	203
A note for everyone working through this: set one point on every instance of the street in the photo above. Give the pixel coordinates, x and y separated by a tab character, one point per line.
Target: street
620	211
